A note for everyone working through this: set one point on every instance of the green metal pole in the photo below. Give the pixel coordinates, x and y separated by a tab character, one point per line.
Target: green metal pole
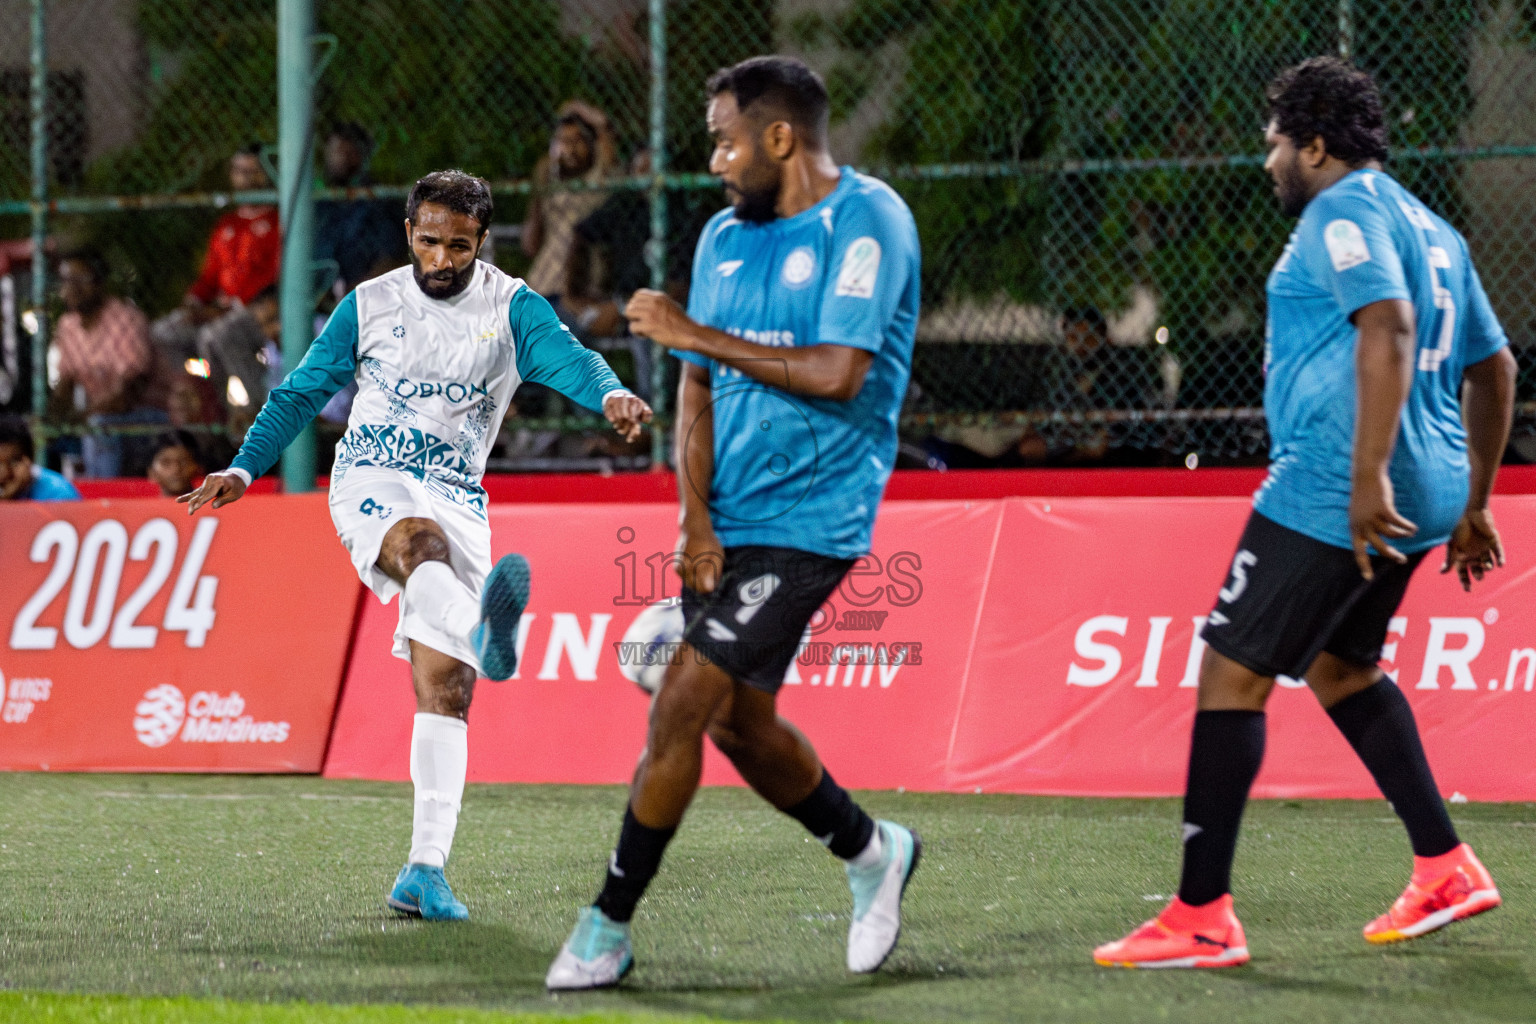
295	134
39	58
656	249
1346	29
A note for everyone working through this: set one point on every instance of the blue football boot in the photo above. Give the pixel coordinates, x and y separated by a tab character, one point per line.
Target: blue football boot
422	891
501	611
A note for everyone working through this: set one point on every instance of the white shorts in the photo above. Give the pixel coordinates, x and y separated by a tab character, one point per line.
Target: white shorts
366	504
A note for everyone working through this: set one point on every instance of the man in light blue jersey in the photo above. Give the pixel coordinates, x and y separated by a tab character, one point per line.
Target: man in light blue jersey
436	349
797	345
1389	393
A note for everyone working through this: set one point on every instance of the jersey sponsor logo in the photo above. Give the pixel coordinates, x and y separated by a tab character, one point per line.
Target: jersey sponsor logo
799	266
753	594
452	391
861	266
1346	245
729	267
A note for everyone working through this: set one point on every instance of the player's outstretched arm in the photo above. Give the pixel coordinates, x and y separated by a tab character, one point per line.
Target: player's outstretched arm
1383	376
1488	405
217	489
817	371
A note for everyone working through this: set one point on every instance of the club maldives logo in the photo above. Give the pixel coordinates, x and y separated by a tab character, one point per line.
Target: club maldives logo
208	717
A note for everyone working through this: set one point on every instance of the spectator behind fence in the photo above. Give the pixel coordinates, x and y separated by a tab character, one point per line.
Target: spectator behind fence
243	256
581	149
1095	376
607	263
363	237
20	478
242	348
106	364
176	464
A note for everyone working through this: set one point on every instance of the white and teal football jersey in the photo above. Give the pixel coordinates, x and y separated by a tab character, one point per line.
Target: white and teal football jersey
434	378
793	471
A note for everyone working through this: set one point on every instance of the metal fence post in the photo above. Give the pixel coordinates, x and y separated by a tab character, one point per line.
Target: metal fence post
1346	29
39	97
656	250
295	132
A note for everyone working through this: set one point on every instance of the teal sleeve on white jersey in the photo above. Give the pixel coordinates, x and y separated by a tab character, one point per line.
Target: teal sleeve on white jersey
548	354
327	367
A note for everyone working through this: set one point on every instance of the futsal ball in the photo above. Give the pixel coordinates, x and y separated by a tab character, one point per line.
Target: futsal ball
650	643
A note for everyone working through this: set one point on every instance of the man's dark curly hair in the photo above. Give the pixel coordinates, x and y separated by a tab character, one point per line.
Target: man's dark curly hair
1330	97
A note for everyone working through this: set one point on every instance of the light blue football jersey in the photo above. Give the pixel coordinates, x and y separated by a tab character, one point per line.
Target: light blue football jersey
1362	240
792	471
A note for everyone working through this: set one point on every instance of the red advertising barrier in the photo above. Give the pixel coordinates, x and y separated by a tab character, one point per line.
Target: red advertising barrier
1018	645
139	639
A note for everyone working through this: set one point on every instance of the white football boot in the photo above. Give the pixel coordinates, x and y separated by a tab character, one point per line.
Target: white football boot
877	892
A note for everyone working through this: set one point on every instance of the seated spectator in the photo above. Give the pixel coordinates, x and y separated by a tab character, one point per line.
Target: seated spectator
242	261
106	364
1097	375
607	261
241	349
20	478
363	237
582	148
176	464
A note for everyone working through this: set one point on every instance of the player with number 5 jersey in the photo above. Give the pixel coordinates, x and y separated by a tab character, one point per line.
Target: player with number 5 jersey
1389	390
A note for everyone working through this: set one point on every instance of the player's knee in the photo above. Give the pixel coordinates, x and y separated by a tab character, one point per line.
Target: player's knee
728	739
450	695
426	545
685	705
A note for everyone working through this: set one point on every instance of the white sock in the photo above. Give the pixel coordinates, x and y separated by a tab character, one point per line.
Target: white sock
441	598
872	852
439	762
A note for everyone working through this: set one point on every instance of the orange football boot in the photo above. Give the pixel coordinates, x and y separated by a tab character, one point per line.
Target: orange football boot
1181	936
1451	887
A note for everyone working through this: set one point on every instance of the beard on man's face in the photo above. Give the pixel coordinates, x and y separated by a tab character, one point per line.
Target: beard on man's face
1290	188
756	197
444	284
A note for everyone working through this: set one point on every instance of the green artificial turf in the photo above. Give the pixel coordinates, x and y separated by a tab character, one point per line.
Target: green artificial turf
270	890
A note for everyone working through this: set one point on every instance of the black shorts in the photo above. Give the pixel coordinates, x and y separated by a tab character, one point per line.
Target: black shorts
752	623
1288	597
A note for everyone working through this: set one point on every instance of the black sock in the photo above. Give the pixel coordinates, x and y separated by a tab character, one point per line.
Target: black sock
634	864
1379	724
1224	756
832	817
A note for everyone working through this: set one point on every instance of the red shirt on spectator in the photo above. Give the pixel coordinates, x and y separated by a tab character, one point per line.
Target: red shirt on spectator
243	256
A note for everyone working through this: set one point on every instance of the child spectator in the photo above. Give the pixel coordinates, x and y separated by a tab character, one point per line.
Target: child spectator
176	464
20	478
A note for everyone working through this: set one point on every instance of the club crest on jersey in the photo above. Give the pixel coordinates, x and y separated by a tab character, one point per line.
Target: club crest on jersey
399	331
799	266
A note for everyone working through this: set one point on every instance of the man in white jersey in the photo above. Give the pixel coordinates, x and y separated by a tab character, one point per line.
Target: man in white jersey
437	349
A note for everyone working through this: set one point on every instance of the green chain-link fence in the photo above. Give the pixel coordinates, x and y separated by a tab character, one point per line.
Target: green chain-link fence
1085	174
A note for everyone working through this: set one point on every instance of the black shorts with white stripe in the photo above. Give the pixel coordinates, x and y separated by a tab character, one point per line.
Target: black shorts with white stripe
753	622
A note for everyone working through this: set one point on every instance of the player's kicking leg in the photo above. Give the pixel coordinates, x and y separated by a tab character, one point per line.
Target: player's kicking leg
448	629
723	683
